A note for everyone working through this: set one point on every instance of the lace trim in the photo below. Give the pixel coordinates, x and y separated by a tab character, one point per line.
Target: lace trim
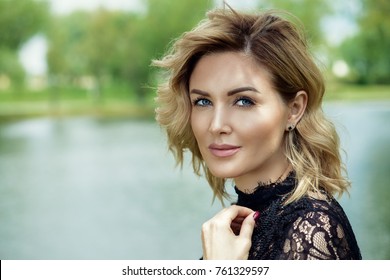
289	180
264	194
309	228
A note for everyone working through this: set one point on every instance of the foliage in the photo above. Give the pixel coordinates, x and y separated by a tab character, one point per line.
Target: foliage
367	53
117	46
164	21
308	12
19	20
10	66
65	34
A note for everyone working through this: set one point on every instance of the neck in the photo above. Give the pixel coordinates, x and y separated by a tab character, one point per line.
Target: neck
250	187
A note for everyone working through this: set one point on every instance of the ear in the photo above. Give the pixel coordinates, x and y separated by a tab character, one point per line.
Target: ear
297	108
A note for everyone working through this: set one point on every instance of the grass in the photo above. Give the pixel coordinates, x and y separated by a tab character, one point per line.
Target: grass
73	102
120	102
343	92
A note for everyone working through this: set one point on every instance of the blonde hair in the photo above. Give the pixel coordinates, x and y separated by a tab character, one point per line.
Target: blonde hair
279	46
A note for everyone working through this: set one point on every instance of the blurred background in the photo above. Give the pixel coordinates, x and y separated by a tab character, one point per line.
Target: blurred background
84	168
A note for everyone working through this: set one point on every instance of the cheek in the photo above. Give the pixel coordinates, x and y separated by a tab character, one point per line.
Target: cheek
261	130
197	125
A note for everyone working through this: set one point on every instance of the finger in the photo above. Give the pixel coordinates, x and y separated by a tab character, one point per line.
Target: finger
238	220
247	227
236	227
233	212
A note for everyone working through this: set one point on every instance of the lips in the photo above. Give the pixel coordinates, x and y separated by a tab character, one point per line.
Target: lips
223	150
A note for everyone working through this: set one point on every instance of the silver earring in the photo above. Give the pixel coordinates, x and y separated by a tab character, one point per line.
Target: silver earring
290	127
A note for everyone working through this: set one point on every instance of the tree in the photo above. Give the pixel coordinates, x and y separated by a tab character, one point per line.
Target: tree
65	35
10	66
309	12
118	46
164	21
106	46
367	52
19	20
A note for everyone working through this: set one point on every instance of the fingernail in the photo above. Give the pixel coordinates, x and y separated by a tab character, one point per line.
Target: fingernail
256	215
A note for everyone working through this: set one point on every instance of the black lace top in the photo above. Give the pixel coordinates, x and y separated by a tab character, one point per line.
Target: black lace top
306	229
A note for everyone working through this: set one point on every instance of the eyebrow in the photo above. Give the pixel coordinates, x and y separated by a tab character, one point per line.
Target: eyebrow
229	93
200	92
241	89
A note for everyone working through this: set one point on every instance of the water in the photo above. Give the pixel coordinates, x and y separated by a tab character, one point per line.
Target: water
365	135
88	188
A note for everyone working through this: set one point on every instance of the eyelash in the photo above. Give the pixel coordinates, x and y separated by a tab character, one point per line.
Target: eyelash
196	101
251	102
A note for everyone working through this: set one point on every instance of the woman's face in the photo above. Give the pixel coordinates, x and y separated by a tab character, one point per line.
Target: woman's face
238	119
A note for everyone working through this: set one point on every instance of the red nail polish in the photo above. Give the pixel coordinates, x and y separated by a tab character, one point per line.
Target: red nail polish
256	215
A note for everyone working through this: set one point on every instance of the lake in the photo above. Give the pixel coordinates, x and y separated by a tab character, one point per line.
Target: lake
91	188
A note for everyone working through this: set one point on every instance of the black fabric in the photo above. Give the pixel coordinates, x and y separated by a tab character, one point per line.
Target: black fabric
306	229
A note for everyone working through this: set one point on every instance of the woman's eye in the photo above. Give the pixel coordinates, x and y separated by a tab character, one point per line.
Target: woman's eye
202	102
244	102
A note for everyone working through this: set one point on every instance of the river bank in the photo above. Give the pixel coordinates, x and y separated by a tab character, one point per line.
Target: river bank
75	102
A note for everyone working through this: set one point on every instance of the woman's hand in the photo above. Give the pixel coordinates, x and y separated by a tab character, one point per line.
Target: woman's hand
228	234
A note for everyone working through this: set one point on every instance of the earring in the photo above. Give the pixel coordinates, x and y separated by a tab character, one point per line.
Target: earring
290	127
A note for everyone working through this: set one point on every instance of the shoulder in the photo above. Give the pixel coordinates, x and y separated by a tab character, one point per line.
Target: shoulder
318	229
321	215
315	206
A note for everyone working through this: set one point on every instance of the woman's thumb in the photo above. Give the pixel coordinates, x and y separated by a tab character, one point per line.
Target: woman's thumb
248	225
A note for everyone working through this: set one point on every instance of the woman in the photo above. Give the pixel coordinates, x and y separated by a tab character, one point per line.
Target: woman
243	95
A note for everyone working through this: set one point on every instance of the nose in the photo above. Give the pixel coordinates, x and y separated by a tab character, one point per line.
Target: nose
220	122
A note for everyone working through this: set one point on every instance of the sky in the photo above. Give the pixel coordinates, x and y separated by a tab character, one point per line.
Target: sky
68	6
63	7
33	54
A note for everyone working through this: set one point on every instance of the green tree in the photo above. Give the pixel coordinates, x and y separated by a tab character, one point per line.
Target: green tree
309	12
367	53
10	66
164	21
19	20
108	47
118	46
65	61
64	57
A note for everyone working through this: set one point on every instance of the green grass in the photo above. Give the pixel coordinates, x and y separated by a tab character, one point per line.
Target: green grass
342	92
73	102
119	101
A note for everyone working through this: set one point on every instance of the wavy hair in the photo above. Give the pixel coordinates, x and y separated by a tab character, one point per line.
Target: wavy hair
278	45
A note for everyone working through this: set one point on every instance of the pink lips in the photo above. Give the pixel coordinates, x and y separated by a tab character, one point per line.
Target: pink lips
223	150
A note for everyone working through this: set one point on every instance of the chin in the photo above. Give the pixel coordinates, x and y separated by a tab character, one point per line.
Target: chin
224	173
